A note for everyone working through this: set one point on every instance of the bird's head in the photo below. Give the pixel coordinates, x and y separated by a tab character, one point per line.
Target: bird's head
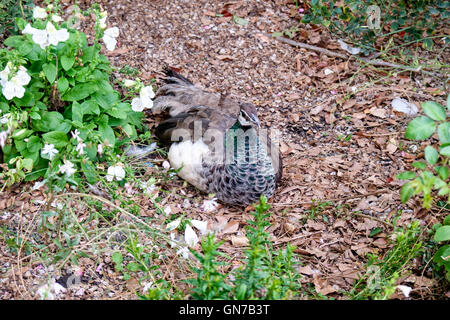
248	115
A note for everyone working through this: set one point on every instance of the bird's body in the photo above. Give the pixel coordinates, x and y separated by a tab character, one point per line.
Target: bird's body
217	142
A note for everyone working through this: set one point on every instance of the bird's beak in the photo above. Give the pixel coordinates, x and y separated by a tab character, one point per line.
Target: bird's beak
256	120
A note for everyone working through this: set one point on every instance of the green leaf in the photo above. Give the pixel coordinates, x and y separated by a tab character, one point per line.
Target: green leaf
444	132
443	172
446	221
77	112
406	192
448	102
57	138
442	234
133	266
420	128
407	175
90	107
434	110
106	101
80	91
107	134
445	151
50	72
431	155
67	62
239	20
25	48
419	165
63	84
49	121
34	144
88	54
89	171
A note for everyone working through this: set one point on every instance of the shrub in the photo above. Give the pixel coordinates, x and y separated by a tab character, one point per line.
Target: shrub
434	173
59	113
357	20
9	11
265	274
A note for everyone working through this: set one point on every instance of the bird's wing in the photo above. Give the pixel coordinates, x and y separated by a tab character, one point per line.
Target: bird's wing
179	95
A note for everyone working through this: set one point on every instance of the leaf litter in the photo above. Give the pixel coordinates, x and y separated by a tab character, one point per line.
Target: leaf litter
342	137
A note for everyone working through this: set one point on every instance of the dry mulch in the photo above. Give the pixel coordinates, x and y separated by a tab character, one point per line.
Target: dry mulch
344	150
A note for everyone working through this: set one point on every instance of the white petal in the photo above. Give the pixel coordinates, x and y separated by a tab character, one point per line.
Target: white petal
110	42
403	106
184	252
39	13
405	290
136	105
129	83
147	92
120	173
28	29
62	35
173	225
8	90
190	237
112	32
22	76
56	18
200	225
41	38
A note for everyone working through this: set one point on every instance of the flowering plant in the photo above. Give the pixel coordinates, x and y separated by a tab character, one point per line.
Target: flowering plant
58	111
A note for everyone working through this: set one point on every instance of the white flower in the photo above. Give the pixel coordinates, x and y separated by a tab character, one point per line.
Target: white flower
80	148
102	20
115	172
56	18
3	137
50	290
100	149
38	185
200	225
56	36
210	205
14	87
68	168
75	134
147	287
4	75
50	150
173	225
166	165
148	188
184	252
128	188
129	83
109	38
405	290
146	94
167	210
49	36
40	37
50	7
39	13
190	237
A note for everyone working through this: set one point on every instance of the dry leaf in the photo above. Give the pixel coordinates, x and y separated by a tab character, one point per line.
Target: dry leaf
231	227
239	241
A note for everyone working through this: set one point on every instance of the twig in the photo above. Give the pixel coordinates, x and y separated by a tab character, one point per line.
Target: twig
373	62
373	218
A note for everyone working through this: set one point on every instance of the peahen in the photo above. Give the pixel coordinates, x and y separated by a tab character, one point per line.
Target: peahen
217	142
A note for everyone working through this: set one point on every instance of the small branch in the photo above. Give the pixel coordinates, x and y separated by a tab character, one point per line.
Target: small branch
373	62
